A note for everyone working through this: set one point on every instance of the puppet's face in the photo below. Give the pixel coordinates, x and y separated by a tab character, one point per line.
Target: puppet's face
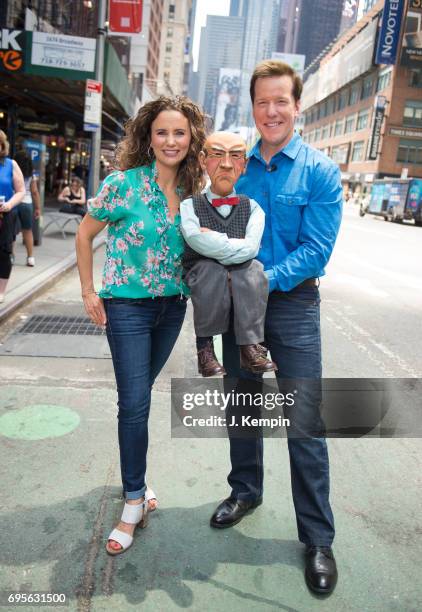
223	159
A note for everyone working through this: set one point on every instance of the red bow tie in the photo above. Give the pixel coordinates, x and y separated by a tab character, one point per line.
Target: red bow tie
221	201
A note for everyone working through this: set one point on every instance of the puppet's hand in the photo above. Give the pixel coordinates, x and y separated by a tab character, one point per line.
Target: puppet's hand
205	229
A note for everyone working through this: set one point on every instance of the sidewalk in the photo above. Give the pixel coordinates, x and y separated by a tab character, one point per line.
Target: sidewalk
52	258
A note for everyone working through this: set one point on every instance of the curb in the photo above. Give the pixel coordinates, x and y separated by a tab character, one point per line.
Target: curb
43	281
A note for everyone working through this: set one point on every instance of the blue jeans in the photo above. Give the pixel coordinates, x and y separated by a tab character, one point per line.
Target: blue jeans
293	336
141	334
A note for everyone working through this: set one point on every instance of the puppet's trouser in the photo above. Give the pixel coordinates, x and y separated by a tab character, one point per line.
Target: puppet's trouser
292	333
211	299
141	334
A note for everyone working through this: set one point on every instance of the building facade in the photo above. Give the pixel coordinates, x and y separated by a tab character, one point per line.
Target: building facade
145	51
220	48
174	44
366	116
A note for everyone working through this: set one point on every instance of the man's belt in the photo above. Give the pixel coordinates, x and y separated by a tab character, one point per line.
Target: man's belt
309	282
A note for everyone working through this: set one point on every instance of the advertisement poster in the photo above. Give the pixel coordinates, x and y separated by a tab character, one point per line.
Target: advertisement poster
227	99
411	54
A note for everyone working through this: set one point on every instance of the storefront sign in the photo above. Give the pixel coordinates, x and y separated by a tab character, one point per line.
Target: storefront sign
411	54
405	132
125	17
12	50
390	32
380	102
63	52
38	126
93	105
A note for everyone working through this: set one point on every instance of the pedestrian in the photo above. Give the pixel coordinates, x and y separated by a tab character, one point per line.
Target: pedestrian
143	297
29	208
74	198
12	191
299	189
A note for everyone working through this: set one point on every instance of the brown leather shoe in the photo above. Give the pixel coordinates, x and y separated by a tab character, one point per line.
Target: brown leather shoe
207	362
253	359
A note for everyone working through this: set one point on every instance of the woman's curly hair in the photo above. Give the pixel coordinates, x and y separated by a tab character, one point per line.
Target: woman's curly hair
134	150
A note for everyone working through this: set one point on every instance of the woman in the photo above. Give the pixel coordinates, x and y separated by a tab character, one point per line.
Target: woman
74	198
142	301
29	208
12	191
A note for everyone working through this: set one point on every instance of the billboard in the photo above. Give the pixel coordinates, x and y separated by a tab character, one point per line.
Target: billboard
389	35
411	53
296	61
350	62
227	99
125	17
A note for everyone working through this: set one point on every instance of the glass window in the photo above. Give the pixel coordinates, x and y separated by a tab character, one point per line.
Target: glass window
384	79
331	102
167	62
350	124
415	79
172	9
363	119
339	127
354	94
169	47
169	32
357	154
325	131
343	99
367	87
412	114
409	151
317	134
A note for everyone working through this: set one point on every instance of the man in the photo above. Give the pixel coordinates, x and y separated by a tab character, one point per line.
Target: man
300	192
223	232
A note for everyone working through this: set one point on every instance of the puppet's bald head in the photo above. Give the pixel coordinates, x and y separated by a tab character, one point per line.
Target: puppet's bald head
224	159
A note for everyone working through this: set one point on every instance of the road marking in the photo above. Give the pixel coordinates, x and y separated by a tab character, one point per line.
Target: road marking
38	422
399	278
357	333
363	285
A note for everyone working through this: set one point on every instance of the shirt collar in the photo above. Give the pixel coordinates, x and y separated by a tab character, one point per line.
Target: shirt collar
291	149
212	196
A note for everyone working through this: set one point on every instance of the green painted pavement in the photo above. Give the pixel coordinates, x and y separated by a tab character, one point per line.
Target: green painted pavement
38	422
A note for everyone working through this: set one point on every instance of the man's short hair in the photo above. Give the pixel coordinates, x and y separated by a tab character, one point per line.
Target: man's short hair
275	68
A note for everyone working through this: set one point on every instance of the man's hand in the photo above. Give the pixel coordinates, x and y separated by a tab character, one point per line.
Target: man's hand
205	229
37	213
5	207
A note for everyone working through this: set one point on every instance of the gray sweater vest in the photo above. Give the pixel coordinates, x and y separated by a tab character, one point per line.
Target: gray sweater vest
234	225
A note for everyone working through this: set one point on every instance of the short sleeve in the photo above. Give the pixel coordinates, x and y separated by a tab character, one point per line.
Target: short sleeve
112	198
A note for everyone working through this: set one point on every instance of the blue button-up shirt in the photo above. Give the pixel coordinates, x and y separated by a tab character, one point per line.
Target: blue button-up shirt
301	194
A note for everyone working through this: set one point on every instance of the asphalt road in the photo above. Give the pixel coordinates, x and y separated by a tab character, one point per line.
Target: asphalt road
372	300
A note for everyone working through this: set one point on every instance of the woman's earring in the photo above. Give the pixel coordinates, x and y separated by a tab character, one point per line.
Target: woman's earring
150	152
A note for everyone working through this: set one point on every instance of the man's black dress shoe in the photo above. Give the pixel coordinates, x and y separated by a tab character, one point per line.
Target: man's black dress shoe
321	570
231	511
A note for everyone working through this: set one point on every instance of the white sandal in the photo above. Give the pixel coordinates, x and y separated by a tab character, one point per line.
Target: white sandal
150	496
134	514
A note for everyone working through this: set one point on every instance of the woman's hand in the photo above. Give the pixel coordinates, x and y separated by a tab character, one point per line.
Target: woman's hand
95	308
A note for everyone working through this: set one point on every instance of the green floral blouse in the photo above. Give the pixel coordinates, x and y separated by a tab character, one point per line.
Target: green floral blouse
144	246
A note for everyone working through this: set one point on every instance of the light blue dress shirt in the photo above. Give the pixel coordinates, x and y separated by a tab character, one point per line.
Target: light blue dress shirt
227	251
301	194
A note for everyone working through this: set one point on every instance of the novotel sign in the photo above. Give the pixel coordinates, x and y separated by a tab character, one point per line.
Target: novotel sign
389	35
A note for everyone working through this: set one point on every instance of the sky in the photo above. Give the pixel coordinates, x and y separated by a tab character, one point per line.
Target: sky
204	8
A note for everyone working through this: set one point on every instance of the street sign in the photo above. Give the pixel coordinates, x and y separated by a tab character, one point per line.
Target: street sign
125	18
93	105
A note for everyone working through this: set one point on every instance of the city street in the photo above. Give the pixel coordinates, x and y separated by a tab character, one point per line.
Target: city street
60	473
